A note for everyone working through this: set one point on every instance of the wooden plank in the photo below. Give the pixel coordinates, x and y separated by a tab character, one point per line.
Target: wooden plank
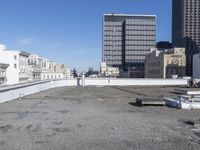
150	101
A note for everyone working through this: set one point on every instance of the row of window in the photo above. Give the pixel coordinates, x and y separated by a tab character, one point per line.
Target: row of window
112	44
113	28
154	72
116	58
128	48
117	52
21	66
113	48
113	38
111	62
130	37
135	52
2	73
20	58
51	76
138	47
143	43
153	64
134	60
133	37
137	32
144	27
131	57
140	21
110	23
140	43
116	42
113	33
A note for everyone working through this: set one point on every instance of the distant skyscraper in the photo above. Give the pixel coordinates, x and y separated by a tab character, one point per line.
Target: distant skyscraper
127	39
186	28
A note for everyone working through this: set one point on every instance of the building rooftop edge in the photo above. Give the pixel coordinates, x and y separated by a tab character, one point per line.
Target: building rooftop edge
3	64
116	14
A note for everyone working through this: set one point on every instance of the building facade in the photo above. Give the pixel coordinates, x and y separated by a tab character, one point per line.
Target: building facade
127	39
165	63
107	71
3	74
186	28
17	71
196	68
24	67
35	63
56	71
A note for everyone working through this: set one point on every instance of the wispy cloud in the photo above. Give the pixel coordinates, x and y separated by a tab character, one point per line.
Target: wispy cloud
26	41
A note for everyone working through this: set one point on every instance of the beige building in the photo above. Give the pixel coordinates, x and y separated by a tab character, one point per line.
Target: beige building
165	63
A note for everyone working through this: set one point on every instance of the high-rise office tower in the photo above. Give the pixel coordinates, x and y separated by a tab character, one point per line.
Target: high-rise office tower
186	28
127	39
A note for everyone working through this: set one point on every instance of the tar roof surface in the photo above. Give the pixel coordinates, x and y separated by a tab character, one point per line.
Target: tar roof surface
96	118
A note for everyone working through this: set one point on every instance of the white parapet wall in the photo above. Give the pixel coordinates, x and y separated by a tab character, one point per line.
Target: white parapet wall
12	92
8	93
134	82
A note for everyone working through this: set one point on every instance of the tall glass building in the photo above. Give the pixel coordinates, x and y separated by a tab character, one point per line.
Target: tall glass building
126	41
186	28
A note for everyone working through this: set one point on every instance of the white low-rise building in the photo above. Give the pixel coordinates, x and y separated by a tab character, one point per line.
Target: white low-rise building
41	68
196	68
107	71
55	71
3	73
17	72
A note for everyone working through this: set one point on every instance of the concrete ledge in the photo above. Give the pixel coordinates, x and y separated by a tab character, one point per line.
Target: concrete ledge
188	91
12	92
135	82
8	93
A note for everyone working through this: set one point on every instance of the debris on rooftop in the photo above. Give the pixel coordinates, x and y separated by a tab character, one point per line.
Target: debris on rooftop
150	102
189	100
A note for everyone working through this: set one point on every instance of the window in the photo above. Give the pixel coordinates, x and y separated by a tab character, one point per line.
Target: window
15	66
15	57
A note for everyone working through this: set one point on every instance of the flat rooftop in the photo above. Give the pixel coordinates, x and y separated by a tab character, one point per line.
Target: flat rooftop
96	118
130	15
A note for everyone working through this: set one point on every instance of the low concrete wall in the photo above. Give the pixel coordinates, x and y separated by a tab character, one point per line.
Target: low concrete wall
61	83
8	93
17	91
135	82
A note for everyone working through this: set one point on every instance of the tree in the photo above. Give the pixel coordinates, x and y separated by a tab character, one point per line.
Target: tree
90	70
74	73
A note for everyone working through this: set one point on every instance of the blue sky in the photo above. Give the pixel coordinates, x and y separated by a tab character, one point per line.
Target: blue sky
70	31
